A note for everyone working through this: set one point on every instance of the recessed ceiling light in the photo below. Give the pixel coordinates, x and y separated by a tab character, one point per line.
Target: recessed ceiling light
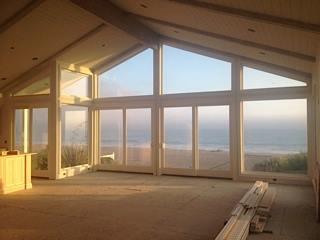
3	79
262	53
251	30
143	5
35	58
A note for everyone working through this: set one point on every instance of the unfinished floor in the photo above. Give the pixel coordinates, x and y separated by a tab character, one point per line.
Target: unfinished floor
106	205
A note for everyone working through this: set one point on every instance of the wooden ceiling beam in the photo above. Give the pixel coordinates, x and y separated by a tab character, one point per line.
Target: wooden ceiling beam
44	64
228	38
113	15
20	15
261	17
215	53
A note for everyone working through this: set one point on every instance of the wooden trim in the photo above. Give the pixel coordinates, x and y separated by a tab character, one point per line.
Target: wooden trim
110	13
215	53
121	168
47	62
118	59
229	38
272	177
18	16
260	17
275	93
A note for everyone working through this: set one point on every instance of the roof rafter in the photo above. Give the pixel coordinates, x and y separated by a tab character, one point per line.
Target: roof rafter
286	22
20	15
113	15
230	39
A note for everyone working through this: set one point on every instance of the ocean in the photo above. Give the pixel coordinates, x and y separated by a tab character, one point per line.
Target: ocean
281	141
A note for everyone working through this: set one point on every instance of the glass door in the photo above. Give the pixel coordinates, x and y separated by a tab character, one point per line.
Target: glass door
39	141
31	136
196	141
125	139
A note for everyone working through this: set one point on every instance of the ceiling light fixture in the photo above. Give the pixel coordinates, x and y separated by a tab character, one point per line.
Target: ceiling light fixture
251	30
143	5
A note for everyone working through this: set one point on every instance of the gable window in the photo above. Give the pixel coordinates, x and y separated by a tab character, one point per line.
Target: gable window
255	79
186	72
134	77
74	84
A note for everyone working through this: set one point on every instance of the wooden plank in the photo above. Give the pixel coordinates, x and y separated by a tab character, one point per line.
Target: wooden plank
267	200
229	38
237	227
115	16
45	64
260	17
26	10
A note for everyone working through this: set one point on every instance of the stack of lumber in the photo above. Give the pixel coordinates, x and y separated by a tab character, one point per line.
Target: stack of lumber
238	225
260	219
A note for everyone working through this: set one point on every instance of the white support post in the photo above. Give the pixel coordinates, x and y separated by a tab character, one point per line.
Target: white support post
156	116
94	124
195	137
236	121
54	123
124	122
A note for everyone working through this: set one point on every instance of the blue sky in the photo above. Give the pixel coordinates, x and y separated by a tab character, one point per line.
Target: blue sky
189	72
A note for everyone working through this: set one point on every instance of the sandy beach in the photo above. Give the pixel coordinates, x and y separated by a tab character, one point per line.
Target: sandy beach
180	158
174	158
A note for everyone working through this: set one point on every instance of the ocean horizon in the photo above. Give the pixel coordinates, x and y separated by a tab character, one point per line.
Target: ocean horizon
277	141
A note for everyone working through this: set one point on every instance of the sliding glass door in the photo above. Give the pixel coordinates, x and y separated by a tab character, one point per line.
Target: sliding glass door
125	139
196	141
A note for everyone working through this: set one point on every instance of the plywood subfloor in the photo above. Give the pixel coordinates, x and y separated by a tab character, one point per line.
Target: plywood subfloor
105	205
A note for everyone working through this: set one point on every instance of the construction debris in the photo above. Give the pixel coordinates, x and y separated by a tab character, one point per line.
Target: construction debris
250	214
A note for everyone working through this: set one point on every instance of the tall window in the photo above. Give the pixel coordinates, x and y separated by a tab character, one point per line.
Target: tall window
139	137
74	129
214	138
133	77
40	138
254	79
275	136
185	72
19	130
178	137
111	137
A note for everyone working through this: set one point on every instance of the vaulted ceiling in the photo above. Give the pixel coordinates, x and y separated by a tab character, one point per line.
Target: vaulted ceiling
88	33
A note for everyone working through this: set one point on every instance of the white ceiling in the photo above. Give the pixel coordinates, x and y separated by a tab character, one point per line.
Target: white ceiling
55	24
301	10
276	36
